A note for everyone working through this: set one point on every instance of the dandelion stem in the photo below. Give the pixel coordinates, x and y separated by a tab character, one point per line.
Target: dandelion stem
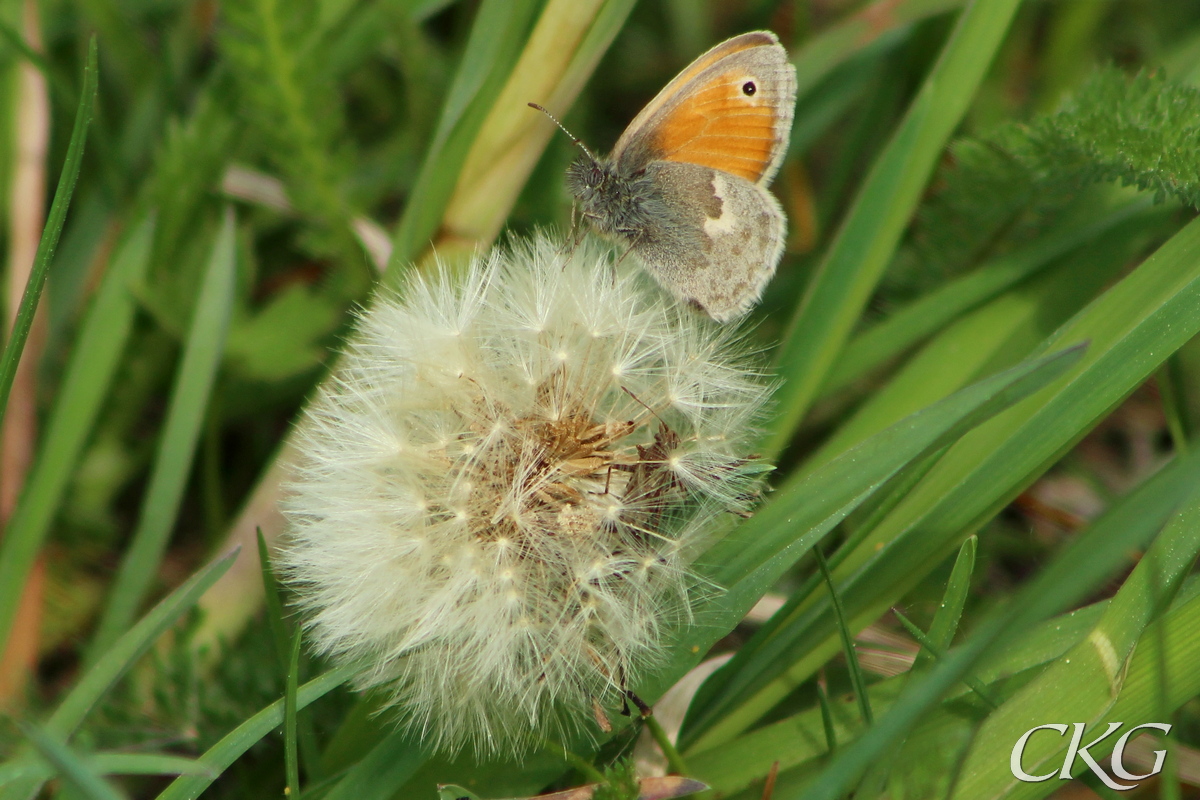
674	759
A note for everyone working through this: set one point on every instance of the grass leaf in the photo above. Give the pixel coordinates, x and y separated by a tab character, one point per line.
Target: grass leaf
18	552
868	236
181	432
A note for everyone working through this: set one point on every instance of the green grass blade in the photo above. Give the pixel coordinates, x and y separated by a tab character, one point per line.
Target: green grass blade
1132	327
849	38
910	325
17	42
146	764
18	551
824	498
89	373
1089	560
218	757
856	677
1141	698
868	513
51	233
867	238
744	563
280	638
105	764
878	775
945	620
1086	683
173	460
291	758
1172	387
382	771
827	723
803	510
119	659
73	769
932	649
279	633
496	39
798	741
999	333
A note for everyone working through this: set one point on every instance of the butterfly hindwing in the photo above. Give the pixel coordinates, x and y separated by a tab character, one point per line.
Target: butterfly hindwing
723	240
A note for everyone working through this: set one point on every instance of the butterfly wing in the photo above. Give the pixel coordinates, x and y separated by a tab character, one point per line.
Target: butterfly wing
730	110
717	241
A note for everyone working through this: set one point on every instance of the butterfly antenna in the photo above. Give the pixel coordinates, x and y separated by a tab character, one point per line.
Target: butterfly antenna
574	139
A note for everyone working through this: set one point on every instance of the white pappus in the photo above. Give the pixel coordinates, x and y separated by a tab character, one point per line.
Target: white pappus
500	491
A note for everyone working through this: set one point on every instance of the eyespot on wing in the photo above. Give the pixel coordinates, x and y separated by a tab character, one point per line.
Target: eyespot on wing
730	110
724	126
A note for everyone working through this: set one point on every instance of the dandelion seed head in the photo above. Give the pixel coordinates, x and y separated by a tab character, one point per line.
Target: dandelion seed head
499	494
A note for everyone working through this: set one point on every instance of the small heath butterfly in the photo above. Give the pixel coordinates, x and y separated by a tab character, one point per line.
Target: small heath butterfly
686	184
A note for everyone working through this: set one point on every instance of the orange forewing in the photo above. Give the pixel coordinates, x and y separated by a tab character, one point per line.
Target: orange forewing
737	44
720	127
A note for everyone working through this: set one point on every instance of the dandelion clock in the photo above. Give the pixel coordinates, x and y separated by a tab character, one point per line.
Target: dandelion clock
501	490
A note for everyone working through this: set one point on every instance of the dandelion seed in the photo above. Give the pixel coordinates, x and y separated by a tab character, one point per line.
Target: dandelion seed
569	442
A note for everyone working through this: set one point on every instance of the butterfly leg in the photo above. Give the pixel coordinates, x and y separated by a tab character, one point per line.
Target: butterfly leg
574	236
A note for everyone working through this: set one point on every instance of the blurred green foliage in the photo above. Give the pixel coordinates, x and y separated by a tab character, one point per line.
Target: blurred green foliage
327	126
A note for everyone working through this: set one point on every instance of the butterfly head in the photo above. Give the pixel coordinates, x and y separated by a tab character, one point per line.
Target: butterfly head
588	178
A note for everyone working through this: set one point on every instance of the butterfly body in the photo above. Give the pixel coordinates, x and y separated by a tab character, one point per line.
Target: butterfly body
685	185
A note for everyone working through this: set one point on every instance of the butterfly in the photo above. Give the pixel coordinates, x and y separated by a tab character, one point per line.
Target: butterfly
685	187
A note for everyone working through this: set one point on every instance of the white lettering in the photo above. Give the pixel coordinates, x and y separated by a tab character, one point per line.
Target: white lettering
1118	756
1074	750
1014	760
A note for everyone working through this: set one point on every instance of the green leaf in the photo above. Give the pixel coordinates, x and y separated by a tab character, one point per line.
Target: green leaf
383	771
868	236
177	445
1089	560
120	658
89	374
17	552
294	106
1086	683
283	339
291	757
73	769
805	508
1132	130
218	757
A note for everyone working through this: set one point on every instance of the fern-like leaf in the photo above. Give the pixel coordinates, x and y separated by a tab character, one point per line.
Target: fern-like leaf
1012	184
295	111
1142	132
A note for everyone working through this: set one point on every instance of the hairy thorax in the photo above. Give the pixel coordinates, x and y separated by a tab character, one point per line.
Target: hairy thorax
614	203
